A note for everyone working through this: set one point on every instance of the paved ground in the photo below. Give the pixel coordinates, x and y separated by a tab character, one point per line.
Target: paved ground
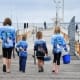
67	72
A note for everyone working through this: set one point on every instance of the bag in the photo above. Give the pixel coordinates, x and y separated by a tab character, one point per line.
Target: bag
66	57
47	58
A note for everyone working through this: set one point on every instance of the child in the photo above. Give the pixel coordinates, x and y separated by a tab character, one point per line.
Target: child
22	48
41	50
57	41
8	36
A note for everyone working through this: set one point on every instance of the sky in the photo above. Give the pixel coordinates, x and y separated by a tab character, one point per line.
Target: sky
37	11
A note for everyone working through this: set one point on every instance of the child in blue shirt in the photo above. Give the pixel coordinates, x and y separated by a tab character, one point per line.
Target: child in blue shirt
22	46
8	37
41	49
58	43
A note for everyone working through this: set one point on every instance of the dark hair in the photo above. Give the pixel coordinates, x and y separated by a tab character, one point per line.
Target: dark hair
39	35
7	21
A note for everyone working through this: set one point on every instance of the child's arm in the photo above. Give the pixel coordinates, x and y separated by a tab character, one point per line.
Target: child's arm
35	46
64	44
45	48
17	46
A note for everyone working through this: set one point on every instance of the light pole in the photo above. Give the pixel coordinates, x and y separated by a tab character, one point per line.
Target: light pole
56	20
59	11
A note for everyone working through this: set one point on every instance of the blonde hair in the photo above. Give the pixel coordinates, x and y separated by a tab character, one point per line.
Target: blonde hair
39	35
57	30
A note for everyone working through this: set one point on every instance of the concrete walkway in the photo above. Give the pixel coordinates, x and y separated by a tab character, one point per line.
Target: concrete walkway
67	72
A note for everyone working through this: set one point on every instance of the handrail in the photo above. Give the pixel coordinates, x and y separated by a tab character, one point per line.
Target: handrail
77	43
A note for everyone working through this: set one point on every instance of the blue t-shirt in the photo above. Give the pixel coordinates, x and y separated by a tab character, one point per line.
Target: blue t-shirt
58	43
22	45
8	36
